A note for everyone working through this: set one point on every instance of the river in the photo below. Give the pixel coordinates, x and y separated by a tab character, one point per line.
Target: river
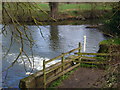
56	39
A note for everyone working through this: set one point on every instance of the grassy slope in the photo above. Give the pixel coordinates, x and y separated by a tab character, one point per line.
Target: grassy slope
68	9
82	6
83	9
114	41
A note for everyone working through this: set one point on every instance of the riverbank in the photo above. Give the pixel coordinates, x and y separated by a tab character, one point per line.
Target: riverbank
112	41
43	18
40	13
112	46
94	77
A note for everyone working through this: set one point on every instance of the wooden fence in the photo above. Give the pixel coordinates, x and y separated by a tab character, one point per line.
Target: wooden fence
68	61
62	65
76	58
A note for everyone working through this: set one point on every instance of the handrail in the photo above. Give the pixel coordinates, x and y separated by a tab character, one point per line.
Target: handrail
59	66
48	71
60	74
62	55
100	54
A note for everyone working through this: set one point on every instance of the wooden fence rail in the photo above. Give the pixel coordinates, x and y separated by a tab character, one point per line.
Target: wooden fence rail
62	65
62	55
99	54
69	61
64	61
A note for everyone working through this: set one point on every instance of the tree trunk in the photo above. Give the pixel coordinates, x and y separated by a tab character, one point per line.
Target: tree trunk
53	9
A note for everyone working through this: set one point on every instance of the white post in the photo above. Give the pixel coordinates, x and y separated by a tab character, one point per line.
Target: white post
84	44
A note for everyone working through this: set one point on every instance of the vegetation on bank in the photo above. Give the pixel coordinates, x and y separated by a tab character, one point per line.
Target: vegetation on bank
79	6
80	9
113	41
113	26
113	23
41	11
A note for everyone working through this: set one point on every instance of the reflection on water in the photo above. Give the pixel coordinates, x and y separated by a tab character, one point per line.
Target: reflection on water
57	40
54	37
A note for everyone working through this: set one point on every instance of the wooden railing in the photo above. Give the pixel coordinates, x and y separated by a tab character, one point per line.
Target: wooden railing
62	65
64	69
68	61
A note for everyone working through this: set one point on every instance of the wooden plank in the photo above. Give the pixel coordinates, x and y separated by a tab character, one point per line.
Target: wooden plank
44	74
72	59
100	54
54	59
92	58
57	71
61	55
62	62
60	65
88	58
93	62
52	69
79	47
51	79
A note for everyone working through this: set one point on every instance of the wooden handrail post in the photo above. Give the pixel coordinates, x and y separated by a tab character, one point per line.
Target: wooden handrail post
44	74
62	61
79	47
79	59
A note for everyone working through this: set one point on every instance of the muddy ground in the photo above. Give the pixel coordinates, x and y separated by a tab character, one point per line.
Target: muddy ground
84	78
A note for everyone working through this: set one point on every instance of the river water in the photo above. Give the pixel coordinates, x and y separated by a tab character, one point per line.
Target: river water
57	39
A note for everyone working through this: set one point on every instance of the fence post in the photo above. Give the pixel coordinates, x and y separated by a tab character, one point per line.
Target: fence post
44	74
79	47
79	59
62	61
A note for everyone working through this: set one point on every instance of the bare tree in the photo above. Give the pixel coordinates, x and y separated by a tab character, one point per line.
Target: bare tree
12	14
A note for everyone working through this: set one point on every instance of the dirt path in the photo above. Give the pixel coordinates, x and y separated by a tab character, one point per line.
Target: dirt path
83	78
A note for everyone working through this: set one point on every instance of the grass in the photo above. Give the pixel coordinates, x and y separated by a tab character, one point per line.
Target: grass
62	6
65	10
88	65
44	6
83	6
113	41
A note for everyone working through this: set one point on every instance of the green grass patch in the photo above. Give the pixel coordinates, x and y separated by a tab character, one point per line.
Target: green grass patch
84	6
44	6
40	11
88	65
113	41
62	6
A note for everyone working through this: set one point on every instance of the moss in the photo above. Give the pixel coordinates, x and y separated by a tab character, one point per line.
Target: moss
113	41
106	44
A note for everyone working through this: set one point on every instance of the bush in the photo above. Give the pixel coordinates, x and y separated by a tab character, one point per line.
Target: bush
114	22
